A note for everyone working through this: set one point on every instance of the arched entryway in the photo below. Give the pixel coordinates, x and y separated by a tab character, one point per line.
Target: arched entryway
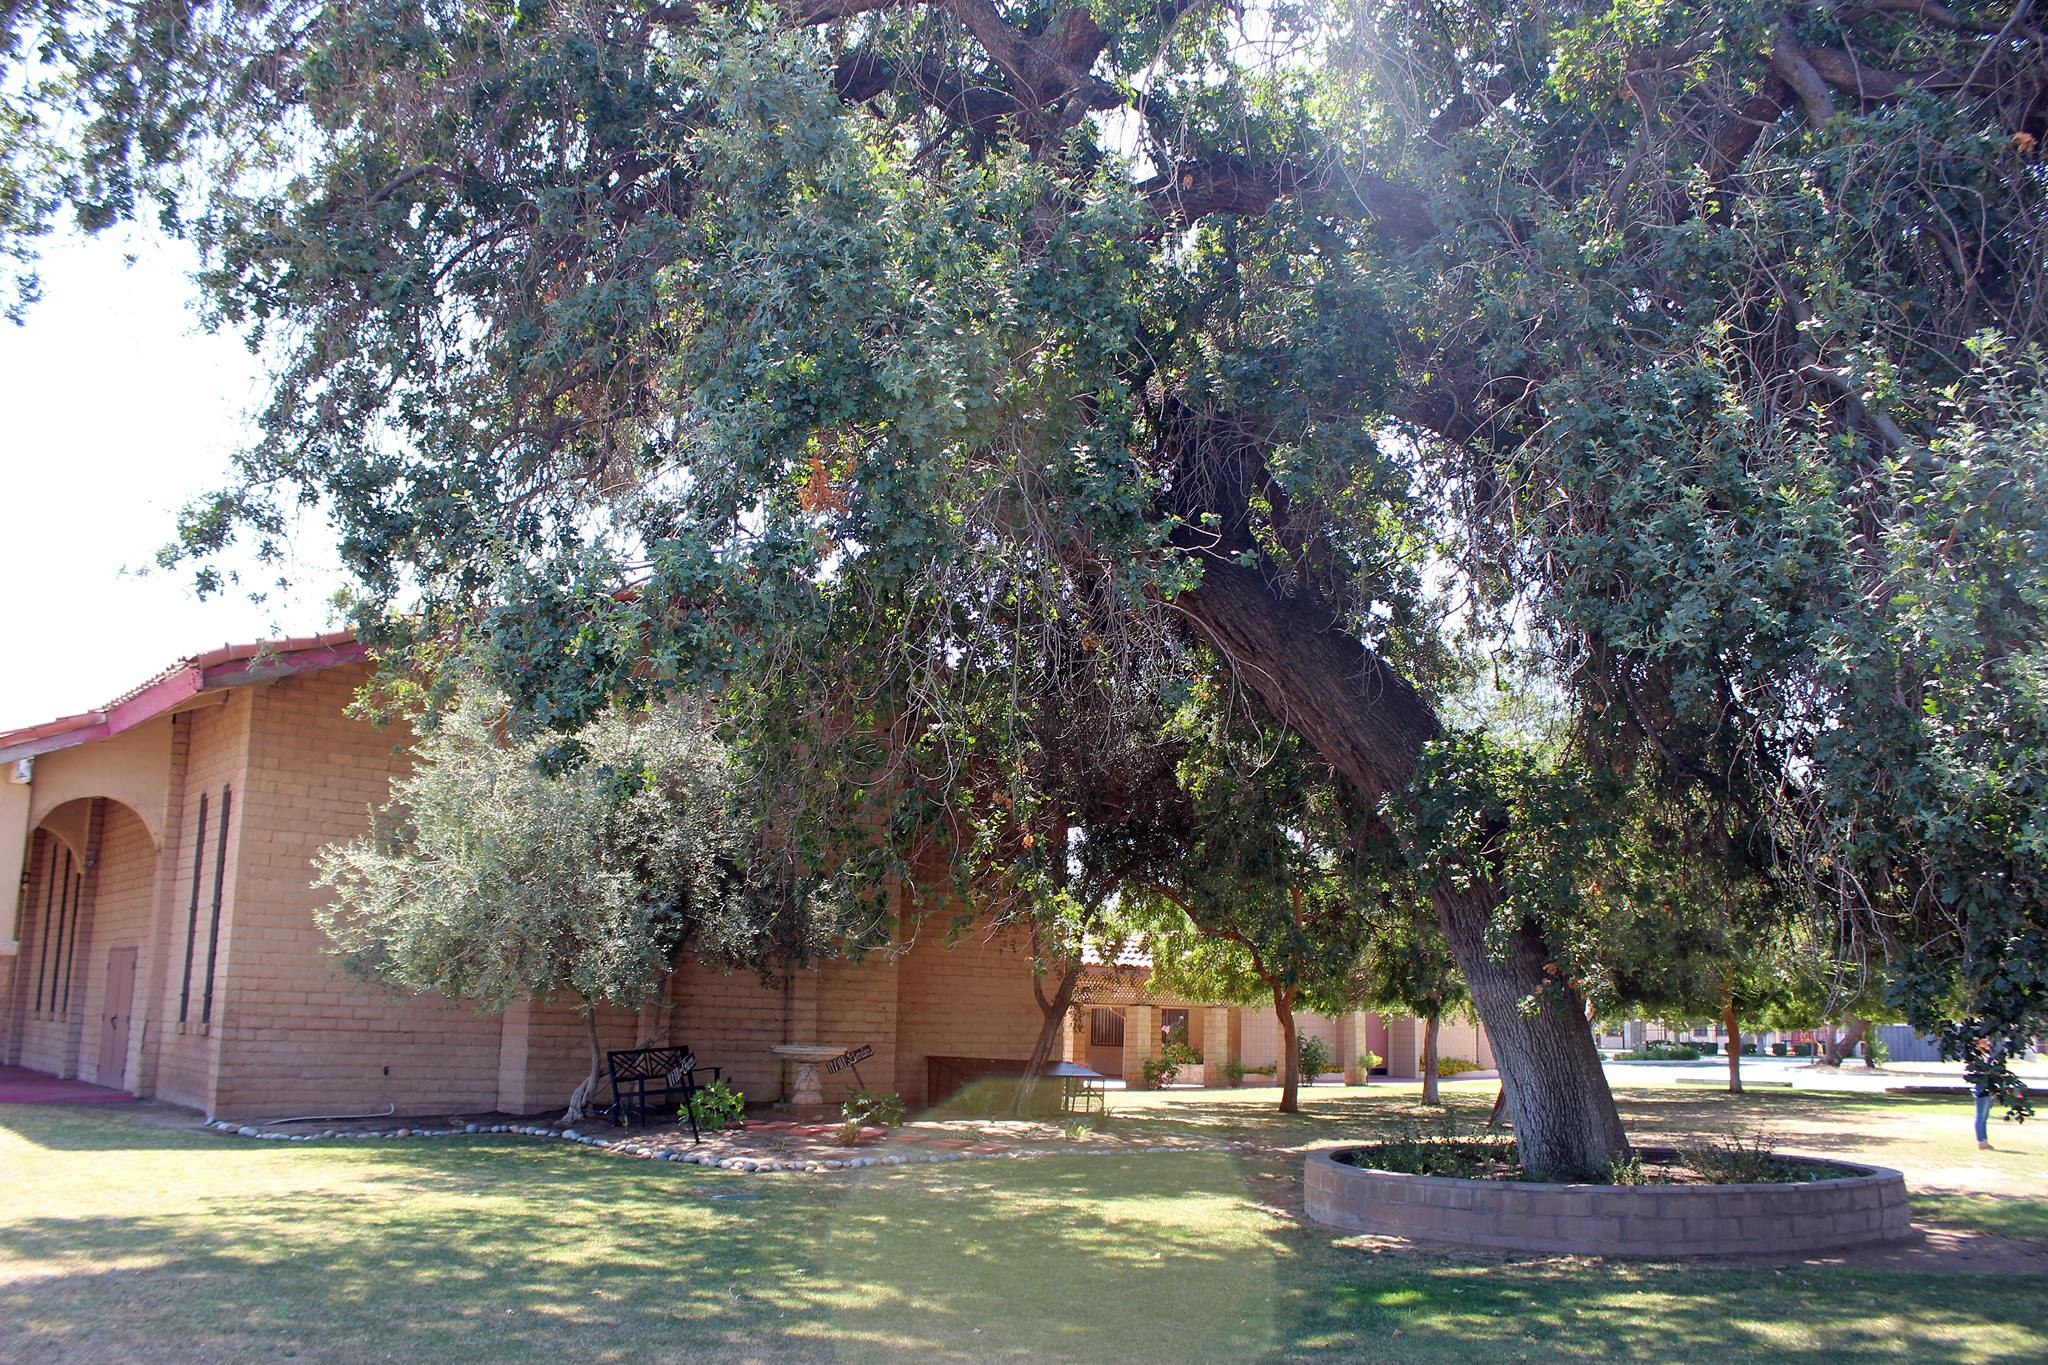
83	924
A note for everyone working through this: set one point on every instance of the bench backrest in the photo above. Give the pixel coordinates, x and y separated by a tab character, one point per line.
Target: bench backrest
667	1063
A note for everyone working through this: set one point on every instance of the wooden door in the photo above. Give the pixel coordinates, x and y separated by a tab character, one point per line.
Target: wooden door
113	1068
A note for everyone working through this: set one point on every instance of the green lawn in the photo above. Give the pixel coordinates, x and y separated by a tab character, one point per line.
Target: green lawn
120	1240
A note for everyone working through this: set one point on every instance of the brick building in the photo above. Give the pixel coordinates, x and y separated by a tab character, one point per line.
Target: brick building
163	941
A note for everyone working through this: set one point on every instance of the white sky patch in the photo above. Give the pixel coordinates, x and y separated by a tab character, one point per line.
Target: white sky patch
118	410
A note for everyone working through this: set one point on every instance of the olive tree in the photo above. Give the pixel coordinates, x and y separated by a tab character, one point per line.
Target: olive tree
502	869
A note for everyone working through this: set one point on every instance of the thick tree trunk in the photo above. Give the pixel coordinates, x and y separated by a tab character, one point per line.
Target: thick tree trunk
1290	1056
1370	725
1566	1125
1734	1047
1840	1046
580	1098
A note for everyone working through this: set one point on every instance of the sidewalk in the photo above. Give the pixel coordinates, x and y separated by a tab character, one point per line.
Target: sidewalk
1800	1073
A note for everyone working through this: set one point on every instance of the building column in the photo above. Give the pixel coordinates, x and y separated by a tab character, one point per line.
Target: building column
14	849
1141	1041
1219	1045
153	966
515	1033
1074	1037
1353	1051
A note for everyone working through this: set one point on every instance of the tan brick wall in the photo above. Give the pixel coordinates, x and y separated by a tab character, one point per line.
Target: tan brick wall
1459	1038
971	998
731	1021
1261	1039
216	757
859	1003
290	1032
1404	1047
296	1034
126	882
546	1053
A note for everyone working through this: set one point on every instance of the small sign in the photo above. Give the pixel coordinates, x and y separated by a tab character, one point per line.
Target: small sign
853	1056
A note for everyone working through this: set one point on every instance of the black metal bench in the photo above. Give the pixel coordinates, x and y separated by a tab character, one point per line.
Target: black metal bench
655	1073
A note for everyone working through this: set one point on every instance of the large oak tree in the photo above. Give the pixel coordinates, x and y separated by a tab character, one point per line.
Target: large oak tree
1685	342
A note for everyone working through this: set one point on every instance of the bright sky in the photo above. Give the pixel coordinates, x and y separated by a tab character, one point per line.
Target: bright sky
117	410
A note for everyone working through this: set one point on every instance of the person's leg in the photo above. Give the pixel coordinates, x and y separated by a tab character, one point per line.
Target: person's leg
1983	1119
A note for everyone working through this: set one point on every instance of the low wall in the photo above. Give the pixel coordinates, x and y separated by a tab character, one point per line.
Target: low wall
1612	1220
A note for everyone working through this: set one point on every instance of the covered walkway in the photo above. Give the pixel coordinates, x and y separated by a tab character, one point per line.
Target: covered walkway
19	1085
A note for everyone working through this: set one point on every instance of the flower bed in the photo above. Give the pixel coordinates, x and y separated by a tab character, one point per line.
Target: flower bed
1842	1204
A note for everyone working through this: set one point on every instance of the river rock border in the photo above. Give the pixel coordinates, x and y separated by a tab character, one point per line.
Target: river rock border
1612	1220
744	1165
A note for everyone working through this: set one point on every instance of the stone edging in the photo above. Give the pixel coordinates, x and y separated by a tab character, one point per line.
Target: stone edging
1612	1220
745	1165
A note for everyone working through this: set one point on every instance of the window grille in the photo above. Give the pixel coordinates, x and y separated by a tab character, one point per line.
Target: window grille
220	872
1105	1028
51	879
192	914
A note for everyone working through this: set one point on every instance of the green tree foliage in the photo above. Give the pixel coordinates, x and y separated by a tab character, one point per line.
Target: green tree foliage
869	341
1407	968
497	873
1269	893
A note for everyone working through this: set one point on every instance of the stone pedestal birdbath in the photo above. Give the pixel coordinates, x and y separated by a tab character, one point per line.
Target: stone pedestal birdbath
806	1090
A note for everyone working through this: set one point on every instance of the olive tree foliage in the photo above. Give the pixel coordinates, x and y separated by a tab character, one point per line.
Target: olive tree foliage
496	873
867	338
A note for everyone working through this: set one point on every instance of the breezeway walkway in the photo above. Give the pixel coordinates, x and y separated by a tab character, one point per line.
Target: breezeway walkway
19	1085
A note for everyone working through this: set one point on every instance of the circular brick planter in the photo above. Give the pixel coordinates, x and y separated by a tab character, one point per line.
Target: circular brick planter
1867	1205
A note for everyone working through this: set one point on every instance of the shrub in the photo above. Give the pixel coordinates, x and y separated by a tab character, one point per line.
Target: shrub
1731	1161
847	1134
718	1106
1233	1071
1313	1056
1802	1049
1452	1066
881	1107
1477	1158
1669	1050
1877	1050
1165	1068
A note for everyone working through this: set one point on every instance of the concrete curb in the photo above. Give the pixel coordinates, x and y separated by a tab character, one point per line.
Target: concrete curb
1612	1220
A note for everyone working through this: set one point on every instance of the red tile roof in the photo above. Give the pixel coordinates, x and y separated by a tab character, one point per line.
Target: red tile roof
209	671
1130	954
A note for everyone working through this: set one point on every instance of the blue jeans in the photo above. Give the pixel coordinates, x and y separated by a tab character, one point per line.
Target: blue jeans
1984	1099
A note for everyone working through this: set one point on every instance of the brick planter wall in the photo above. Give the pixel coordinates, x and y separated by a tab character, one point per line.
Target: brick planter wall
1612	1220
